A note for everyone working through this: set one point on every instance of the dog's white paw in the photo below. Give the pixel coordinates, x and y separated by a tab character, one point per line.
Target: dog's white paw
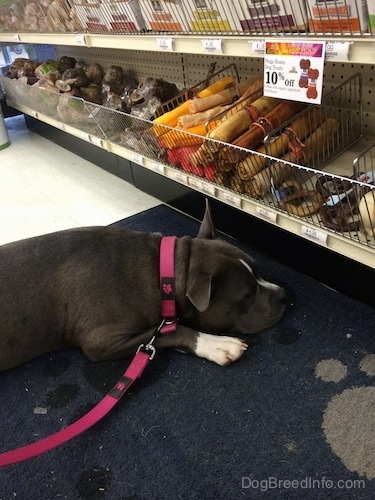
220	350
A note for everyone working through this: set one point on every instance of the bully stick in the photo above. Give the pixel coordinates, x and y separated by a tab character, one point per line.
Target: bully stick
252	138
260	184
289	138
248	97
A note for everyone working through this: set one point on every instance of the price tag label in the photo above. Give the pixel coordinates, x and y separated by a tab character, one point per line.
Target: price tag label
180	177
81	39
137	159
85	136
97	141
34	114
258	47
165	44
16	37
266	214
158	167
208	189
212	46
195	183
294	70
232	199
313	234
337	51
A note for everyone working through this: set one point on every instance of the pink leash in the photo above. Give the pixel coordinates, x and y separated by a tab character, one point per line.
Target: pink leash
141	359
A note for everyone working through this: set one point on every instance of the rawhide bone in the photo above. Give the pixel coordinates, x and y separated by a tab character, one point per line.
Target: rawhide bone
260	184
226	96
170	118
233	126
188	121
290	138
258	130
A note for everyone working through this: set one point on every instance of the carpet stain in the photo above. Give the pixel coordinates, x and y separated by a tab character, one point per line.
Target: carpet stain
103	376
349	418
63	395
94	483
286	335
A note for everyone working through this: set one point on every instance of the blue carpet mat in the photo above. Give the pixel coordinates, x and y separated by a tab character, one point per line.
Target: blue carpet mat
294	418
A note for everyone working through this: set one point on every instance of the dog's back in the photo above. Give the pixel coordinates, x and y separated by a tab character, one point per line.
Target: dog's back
52	285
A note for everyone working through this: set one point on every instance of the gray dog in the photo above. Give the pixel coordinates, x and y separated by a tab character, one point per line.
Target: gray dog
98	289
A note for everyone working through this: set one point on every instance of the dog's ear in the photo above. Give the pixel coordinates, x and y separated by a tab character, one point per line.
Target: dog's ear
207	229
199	291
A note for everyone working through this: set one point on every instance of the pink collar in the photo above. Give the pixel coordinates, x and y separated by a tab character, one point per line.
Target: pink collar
167	284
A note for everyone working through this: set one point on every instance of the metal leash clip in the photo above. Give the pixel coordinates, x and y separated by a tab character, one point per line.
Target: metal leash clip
148	348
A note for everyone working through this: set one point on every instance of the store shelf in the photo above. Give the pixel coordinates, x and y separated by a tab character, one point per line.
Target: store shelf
344	246
185	58
361	48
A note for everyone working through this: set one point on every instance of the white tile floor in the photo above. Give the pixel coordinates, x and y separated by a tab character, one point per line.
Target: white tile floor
45	188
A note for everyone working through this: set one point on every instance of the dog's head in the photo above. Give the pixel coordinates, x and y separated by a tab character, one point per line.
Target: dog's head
224	290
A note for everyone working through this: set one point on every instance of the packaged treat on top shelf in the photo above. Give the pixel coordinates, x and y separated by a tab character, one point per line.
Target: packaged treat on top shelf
91	15
164	15
337	16
60	16
124	16
371	14
212	16
279	15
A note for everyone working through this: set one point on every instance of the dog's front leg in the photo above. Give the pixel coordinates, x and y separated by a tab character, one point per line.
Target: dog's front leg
113	342
219	349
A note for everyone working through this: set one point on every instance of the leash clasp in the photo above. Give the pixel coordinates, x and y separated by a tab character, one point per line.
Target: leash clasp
148	348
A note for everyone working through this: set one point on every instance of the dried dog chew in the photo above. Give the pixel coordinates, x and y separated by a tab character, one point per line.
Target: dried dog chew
187	121
337	216
236	124
367	212
302	202
340	203
231	123
290	138
170	118
226	96
260	184
258	130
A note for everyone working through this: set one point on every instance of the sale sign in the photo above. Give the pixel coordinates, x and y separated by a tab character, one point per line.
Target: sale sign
294	70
